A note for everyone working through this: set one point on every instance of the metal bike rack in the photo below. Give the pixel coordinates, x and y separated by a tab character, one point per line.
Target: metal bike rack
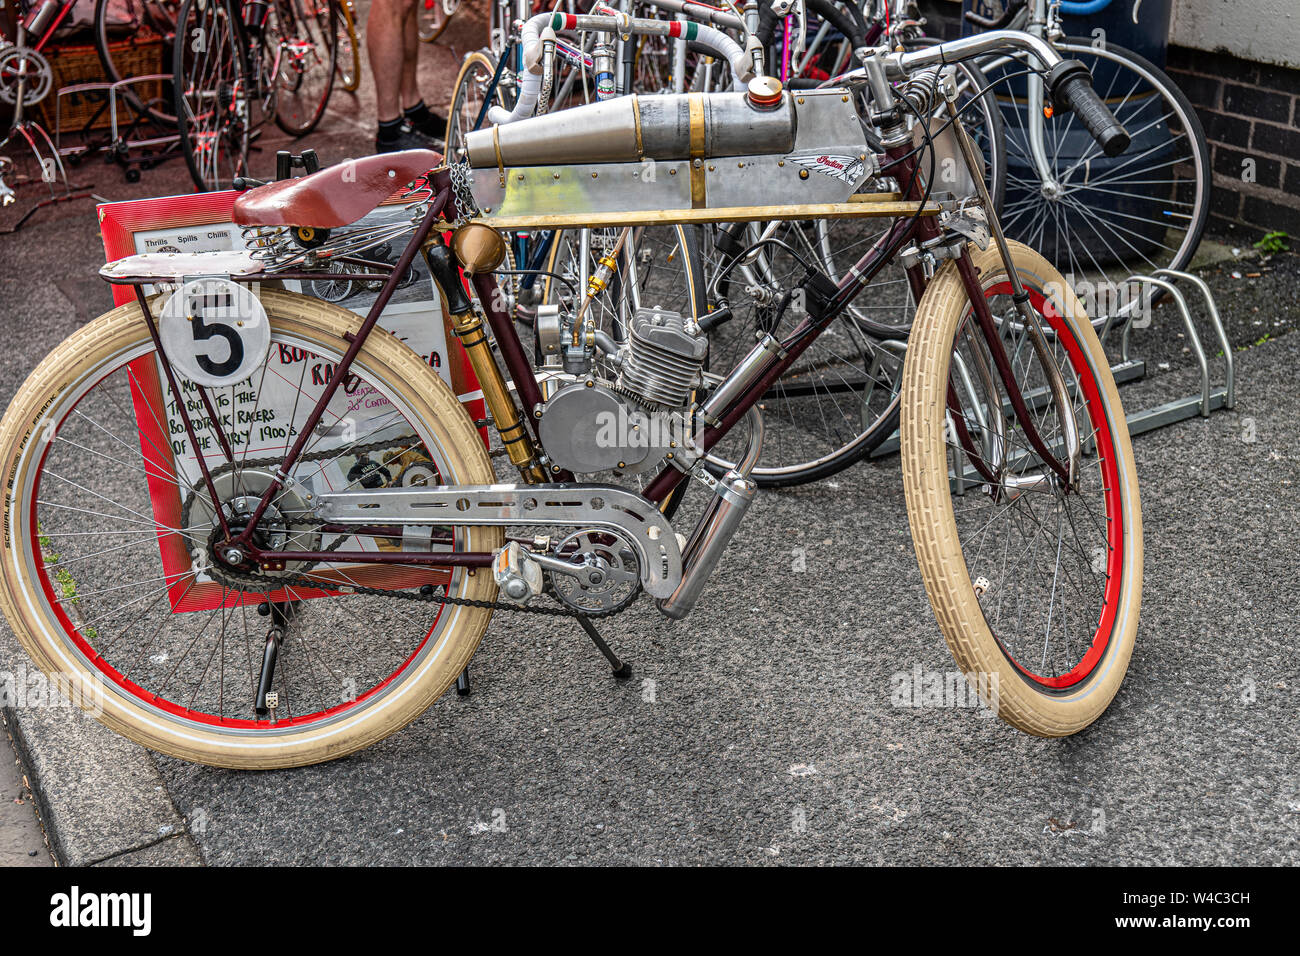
1128	368
119	147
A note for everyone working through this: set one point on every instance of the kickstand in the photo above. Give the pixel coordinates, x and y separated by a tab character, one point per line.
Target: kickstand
280	613
462	682
622	669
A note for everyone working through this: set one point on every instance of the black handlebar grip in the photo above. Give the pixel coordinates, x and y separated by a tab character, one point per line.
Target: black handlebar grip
1071	87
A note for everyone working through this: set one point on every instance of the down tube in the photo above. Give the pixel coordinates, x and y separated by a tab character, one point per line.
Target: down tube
802	336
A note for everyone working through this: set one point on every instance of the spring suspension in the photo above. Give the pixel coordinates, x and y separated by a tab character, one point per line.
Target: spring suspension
269	245
923	91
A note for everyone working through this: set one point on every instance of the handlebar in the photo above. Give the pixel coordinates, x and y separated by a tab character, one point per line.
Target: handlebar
1068	81
1070	84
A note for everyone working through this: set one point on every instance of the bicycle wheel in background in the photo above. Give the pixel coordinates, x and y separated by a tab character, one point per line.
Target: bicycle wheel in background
1104	218
1036	585
306	34
467	98
150	19
433	17
114	581
347	62
211	84
839	400
836	404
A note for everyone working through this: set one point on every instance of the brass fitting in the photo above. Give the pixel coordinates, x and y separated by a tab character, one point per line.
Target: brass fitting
468	327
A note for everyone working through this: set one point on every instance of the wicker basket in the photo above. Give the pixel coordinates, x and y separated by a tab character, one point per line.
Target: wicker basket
140	55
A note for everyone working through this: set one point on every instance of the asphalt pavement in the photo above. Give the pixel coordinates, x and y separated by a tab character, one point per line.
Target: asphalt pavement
763	729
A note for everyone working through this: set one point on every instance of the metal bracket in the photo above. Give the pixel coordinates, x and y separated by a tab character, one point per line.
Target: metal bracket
570	505
1128	368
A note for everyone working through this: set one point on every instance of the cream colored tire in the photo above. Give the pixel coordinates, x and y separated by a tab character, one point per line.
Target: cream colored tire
1021	701
104	344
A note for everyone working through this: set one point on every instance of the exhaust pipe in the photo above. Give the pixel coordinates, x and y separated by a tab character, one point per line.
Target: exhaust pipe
732	497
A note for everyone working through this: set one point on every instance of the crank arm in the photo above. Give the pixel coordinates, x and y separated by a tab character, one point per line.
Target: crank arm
569	505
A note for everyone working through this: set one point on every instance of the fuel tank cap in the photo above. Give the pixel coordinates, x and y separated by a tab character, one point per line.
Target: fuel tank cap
765	92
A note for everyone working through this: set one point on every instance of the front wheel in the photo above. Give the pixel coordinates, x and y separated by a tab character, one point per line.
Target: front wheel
1036	586
112	579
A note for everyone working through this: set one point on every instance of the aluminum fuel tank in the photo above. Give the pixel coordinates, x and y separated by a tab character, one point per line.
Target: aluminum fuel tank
632	128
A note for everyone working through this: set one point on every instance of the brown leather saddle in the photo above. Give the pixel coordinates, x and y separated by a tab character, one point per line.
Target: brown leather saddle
338	195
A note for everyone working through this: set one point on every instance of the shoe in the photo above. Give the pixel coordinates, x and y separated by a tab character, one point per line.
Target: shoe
406	138
434	126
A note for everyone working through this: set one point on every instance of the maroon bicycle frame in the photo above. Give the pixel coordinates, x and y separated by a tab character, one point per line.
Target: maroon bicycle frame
902	160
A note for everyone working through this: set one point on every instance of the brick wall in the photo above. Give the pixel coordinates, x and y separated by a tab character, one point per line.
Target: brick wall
1249	111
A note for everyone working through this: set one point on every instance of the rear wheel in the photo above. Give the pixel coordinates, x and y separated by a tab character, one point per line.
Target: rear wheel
112	579
1036	586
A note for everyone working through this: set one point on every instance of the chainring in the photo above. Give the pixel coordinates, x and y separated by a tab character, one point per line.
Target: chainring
36	75
622	578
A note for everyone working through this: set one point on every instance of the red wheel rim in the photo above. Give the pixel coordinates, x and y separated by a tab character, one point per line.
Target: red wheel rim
1100	427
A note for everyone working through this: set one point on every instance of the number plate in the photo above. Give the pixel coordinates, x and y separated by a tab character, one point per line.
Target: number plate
214	331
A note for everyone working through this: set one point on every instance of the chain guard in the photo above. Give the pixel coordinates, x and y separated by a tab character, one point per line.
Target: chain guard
243	580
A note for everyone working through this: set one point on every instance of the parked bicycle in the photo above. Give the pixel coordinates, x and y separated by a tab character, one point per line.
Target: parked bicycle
245	64
203	526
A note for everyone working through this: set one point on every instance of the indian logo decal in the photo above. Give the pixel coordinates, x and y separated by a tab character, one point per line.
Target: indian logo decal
847	169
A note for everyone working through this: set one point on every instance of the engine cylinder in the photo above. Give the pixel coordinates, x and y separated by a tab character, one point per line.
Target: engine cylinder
664	360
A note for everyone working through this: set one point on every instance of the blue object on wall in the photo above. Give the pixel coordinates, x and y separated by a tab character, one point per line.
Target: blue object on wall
1138	25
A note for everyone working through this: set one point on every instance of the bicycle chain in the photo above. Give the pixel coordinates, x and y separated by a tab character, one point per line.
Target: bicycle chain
462	188
432	596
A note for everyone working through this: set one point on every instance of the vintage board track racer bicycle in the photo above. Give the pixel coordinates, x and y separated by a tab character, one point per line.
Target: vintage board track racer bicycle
260	531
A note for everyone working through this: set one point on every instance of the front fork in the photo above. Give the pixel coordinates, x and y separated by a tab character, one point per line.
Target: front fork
898	141
1069	471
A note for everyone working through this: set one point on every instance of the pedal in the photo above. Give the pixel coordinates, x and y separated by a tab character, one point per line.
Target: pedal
517	575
